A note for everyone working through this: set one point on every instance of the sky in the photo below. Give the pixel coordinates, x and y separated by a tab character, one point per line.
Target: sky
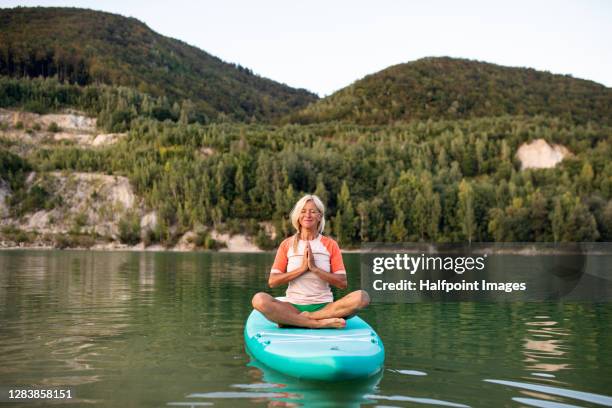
324	46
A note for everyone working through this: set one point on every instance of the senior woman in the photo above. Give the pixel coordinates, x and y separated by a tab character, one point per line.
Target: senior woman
309	262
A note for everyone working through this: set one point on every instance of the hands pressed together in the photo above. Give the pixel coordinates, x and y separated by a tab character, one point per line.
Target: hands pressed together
308	263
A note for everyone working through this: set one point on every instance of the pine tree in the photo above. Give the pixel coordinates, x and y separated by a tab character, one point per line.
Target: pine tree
466	210
344	221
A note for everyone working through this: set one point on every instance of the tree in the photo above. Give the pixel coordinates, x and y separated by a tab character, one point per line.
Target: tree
466	210
585	179
538	217
557	220
344	221
321	191
398	230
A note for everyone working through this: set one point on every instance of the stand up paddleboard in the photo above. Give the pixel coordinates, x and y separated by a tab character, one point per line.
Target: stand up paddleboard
316	354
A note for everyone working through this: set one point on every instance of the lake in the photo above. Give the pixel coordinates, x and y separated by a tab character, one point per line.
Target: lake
156	329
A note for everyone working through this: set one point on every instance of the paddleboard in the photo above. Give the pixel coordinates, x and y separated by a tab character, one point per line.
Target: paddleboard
316	354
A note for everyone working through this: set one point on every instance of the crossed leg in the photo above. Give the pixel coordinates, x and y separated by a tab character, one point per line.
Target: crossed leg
344	307
284	313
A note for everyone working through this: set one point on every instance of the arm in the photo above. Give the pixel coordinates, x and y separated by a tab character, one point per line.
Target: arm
335	279
277	279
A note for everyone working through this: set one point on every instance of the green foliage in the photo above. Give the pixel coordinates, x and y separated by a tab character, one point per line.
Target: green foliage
12	168
205	241
30	200
86	47
381	183
422	151
263	241
19	236
450	88
129	228
114	107
386	187
445	181
344	221
79	221
465	211
73	240
54	128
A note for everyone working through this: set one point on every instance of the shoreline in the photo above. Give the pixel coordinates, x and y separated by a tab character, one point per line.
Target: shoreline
129	249
159	248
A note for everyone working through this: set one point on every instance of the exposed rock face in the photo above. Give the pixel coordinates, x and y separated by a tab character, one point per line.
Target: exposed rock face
268	229
540	155
235	243
73	127
149	221
68	121
90	202
186	242
104	139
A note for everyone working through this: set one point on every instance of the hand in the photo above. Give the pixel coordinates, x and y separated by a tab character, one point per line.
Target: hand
310	257
305	264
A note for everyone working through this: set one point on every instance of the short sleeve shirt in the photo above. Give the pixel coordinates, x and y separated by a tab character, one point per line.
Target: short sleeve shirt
309	288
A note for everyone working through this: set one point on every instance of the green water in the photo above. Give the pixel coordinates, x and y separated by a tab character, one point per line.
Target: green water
165	329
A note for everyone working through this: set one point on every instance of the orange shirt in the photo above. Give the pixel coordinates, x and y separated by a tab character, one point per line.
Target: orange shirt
308	288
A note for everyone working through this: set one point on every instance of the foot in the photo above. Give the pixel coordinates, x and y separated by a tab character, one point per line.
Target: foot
317	315
332	323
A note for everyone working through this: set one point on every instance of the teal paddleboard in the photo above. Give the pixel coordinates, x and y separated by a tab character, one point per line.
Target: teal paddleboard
316	354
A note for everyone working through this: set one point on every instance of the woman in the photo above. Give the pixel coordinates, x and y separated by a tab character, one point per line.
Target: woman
309	263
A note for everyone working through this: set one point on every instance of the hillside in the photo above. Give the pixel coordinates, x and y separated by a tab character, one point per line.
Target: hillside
91	47
132	139
430	181
448	88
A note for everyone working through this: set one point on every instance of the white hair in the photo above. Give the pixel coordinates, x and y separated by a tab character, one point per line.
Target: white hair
299	206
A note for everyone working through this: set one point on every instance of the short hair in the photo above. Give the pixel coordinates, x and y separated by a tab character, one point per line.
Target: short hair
299	206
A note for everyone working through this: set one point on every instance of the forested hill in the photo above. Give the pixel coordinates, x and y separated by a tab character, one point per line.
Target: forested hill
448	88
90	47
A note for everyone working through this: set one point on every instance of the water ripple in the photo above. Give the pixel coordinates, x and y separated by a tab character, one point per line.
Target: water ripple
563	392
428	401
543	404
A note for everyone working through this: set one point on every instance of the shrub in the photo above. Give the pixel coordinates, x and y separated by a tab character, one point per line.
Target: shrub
54	128
263	241
33	200
12	233
129	229
72	240
205	241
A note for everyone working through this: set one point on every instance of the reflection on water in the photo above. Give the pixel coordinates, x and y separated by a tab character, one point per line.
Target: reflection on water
579	395
545	355
280	390
165	329
426	401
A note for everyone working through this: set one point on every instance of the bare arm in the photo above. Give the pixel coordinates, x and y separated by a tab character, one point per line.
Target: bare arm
335	279
277	279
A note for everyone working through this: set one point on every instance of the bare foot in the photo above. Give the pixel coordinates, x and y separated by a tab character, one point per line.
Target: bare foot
315	315
332	323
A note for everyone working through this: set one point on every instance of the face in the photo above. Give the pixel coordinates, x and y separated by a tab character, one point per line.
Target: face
310	216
